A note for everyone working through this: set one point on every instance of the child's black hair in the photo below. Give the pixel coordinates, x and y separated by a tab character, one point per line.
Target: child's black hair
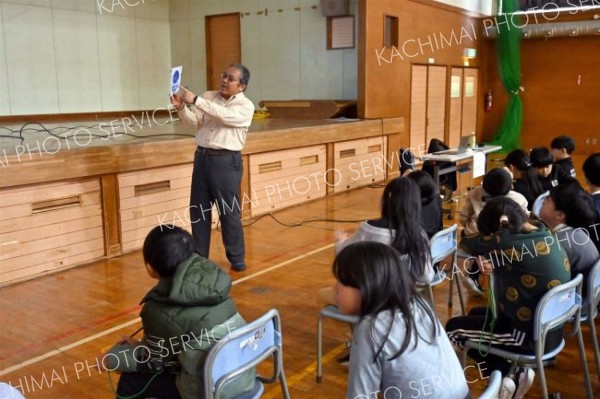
576	204
165	247
540	157
401	212
520	160
381	274
491	218
566	142
591	169
497	182
426	185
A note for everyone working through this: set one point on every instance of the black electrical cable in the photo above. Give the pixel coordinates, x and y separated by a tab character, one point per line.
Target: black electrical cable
41	128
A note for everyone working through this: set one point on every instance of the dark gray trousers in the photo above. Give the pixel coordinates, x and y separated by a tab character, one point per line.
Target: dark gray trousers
216	180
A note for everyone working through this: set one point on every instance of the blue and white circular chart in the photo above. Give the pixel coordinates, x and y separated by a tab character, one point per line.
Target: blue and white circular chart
175	79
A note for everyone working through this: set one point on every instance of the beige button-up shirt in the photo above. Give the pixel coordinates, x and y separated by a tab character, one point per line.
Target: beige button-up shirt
220	123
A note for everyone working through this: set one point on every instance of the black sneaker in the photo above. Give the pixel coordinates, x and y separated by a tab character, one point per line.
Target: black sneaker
344	359
238	267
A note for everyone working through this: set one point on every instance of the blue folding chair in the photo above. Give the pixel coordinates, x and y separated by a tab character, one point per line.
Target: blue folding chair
557	306
331	312
493	387
242	350
443	244
8	392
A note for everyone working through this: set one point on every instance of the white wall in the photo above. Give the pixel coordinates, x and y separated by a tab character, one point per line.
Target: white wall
285	51
68	56
481	6
63	56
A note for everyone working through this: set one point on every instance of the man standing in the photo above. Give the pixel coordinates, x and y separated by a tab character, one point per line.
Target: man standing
222	119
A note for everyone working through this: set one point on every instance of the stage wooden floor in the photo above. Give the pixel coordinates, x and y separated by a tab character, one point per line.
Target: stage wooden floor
53	328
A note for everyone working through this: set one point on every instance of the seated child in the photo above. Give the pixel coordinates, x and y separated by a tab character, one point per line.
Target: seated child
431	203
591	170
186	312
398	226
526	262
496	183
549	174
562	147
399	348
526	181
566	211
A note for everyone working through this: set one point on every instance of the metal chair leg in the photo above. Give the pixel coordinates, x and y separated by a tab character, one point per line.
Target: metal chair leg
451	289
586	372
594	339
460	297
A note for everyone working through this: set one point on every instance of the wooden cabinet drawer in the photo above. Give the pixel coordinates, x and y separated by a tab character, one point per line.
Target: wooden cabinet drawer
150	197
284	178
358	163
49	227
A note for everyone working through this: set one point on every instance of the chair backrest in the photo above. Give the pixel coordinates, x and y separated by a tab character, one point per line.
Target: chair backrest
8	392
557	306
593	288
493	387
241	350
537	204
443	243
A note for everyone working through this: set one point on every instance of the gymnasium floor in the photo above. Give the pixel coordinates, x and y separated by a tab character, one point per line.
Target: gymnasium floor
54	327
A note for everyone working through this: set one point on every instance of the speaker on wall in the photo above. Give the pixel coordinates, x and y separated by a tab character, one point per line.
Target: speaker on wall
334	8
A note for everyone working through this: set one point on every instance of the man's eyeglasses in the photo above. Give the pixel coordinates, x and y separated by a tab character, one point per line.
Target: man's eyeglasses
230	78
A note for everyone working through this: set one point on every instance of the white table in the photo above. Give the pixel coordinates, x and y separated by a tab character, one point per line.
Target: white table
438	158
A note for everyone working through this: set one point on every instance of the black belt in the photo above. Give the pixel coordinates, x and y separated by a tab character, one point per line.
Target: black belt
215	151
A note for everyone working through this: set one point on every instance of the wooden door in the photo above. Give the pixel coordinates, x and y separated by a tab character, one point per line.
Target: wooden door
223	46
436	103
455	111
418	109
469	108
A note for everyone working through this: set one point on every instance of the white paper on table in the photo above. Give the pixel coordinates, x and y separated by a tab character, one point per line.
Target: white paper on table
175	79
478	164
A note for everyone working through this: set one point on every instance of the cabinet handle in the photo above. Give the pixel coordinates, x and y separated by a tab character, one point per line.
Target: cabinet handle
269	167
55	204
348	153
309	160
151	188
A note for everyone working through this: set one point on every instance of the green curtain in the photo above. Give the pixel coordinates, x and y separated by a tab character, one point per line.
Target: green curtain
508	46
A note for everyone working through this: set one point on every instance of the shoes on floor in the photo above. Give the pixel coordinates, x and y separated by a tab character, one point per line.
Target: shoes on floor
238	267
507	389
344	359
473	285
524	379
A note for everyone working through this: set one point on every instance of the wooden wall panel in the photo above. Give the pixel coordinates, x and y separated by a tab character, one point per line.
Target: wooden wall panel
561	79
455	107
470	101
426	31
418	106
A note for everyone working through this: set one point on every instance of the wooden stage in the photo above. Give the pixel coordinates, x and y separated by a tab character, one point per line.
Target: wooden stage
55	324
94	195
